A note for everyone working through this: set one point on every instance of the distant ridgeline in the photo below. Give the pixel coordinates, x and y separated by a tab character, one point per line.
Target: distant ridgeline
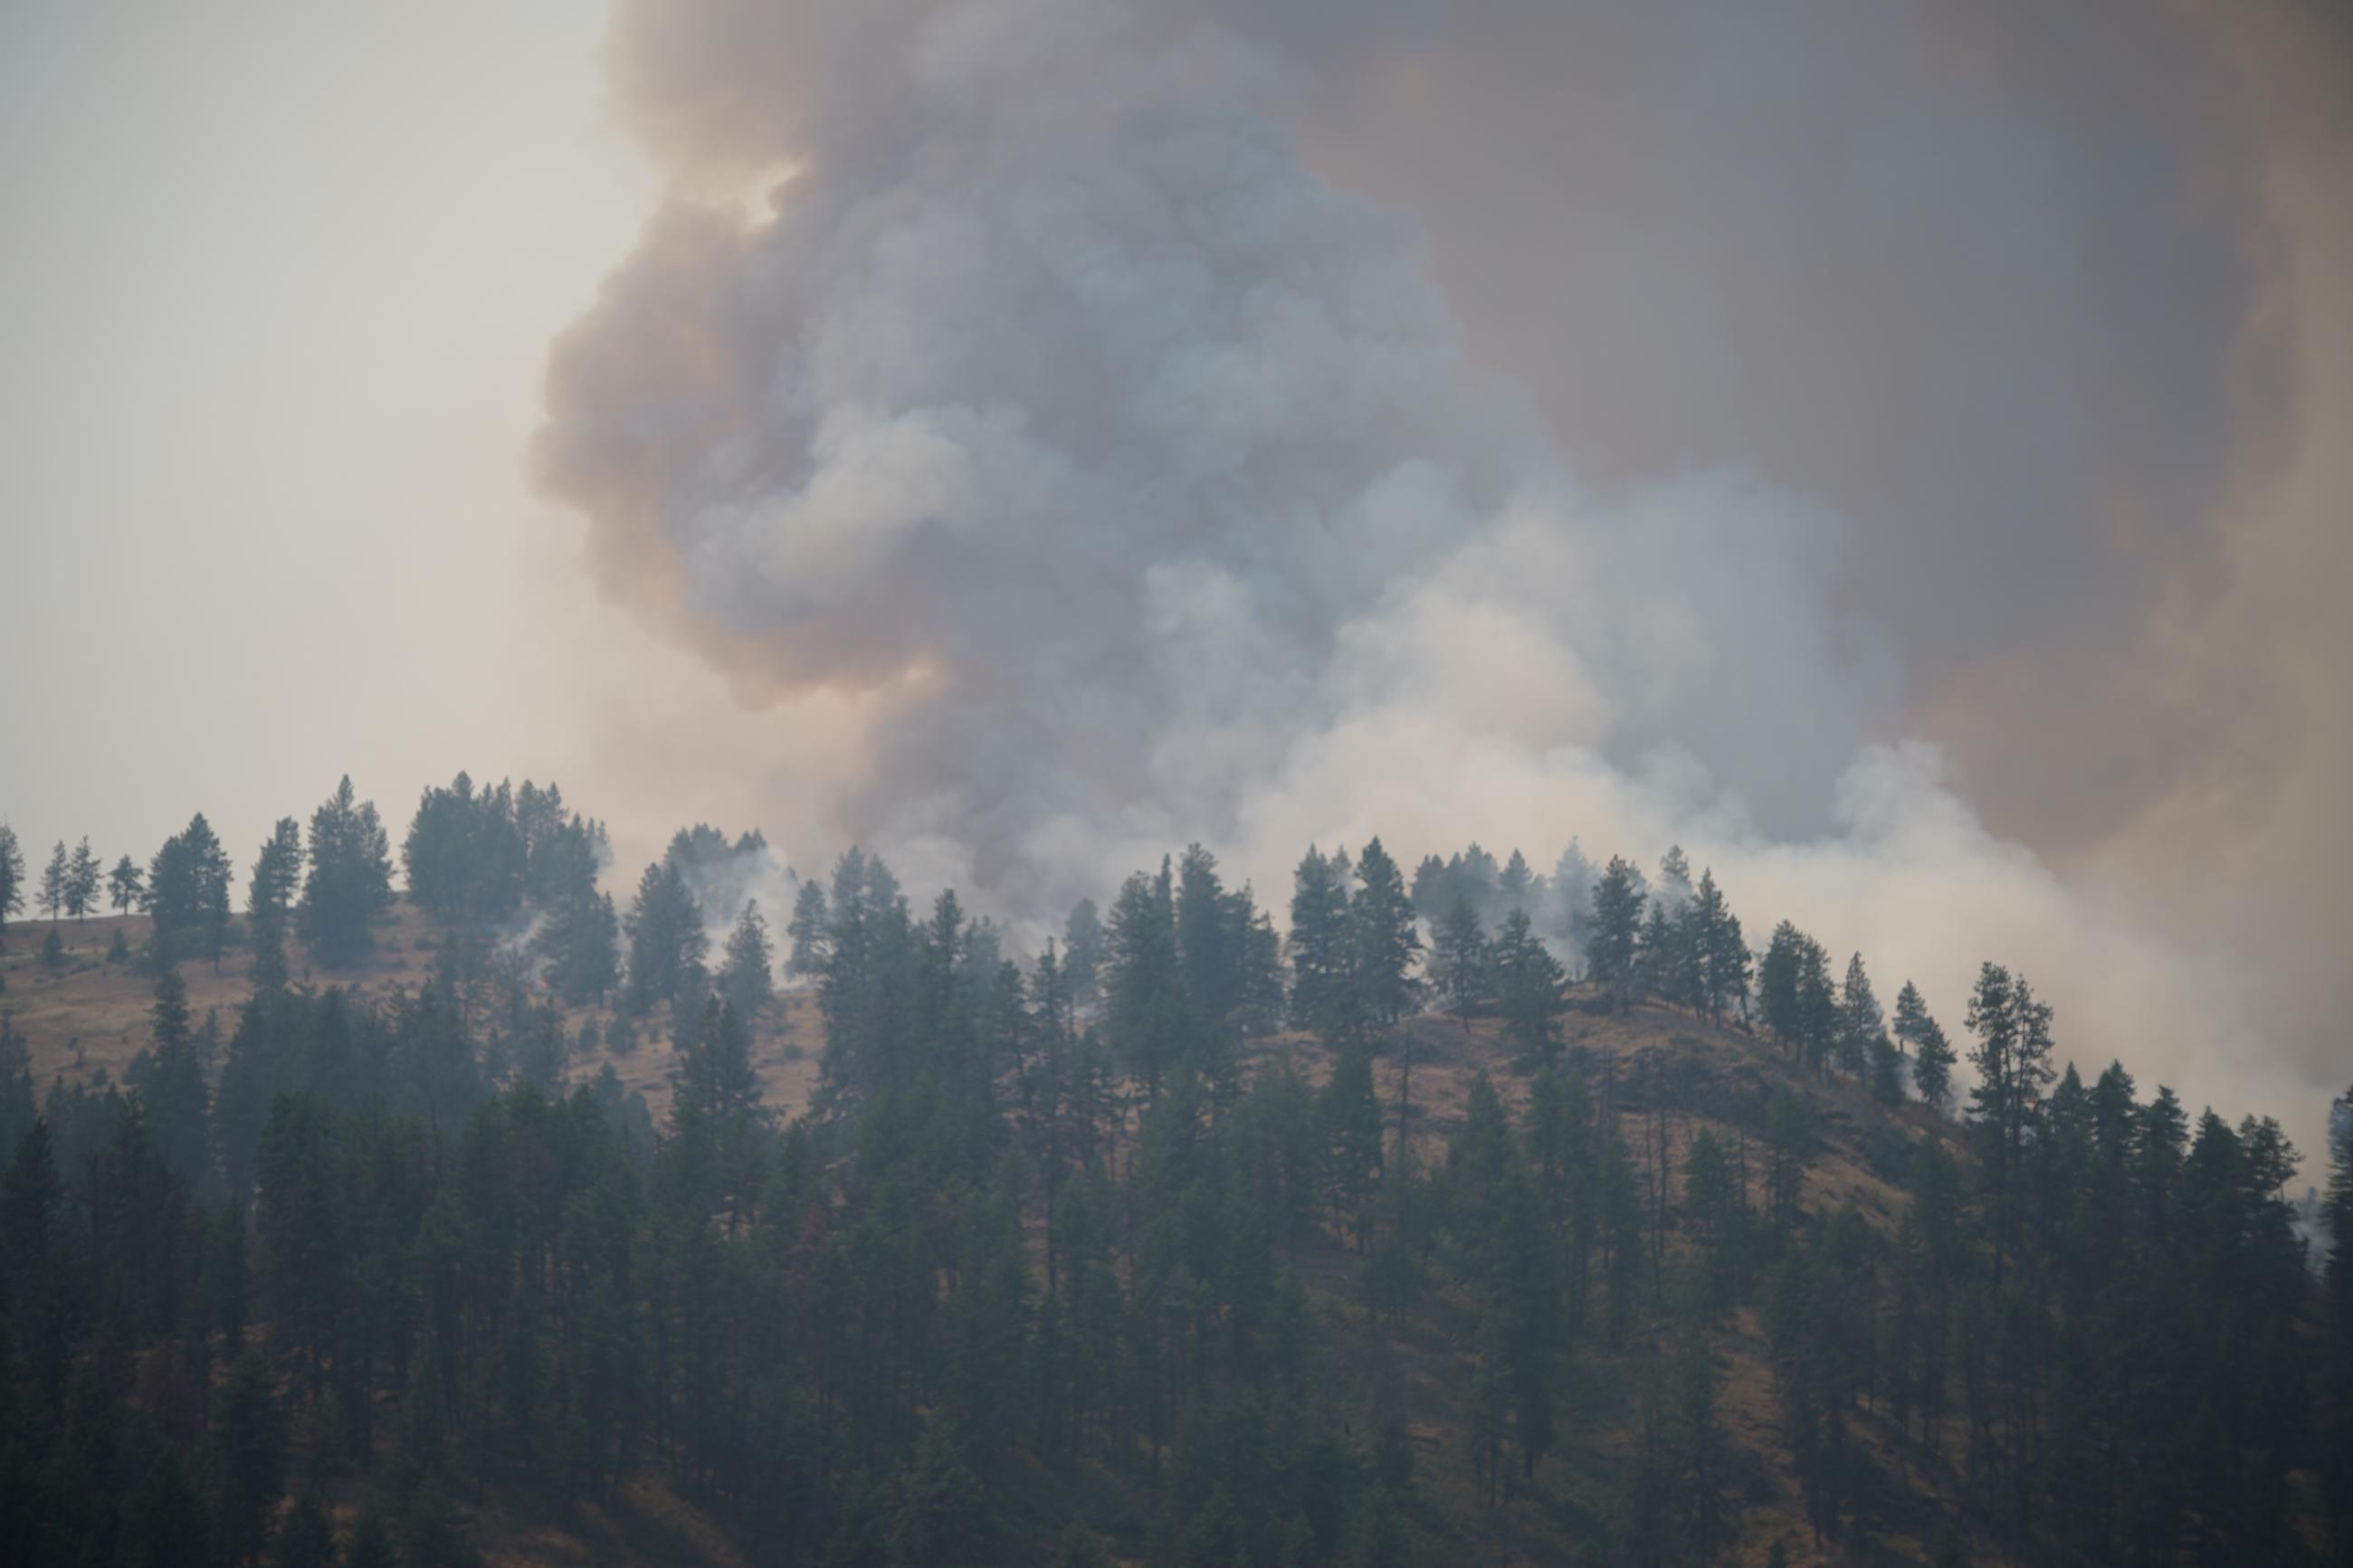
1479	1216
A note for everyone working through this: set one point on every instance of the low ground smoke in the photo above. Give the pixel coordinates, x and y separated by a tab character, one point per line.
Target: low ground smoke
1135	481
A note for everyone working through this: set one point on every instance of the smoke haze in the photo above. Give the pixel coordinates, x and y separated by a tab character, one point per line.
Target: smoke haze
1885	450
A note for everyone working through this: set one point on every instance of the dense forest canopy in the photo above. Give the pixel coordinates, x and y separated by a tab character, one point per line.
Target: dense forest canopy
1137	1247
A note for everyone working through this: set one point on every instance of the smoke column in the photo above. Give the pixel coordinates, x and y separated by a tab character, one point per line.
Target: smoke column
1136	483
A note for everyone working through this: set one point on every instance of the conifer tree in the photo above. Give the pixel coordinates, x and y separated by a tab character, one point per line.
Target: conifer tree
54	878
1383	943
2012	1059
1932	1065
745	980
1082	946
82	875
808	929
1618	901
1458	958
349	884
1515	886
126	884
1529	983
667	945
1351	1114
12	880
1861	1028
1146	1014
1320	997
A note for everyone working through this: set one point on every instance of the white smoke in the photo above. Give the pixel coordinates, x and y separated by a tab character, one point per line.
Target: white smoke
1137	481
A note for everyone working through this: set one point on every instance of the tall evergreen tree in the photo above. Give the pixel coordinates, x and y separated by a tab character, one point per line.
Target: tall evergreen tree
2012	1059
1529	983
1083	947
1383	943
1618	902
349	883
125	886
82	876
746	983
667	945
54	882
808	929
12	880
1458	959
1862	1027
1321	999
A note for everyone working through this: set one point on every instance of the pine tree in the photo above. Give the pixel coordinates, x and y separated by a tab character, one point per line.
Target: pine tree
53	883
667	945
1529	985
1618	903
125	886
744	980
808	930
1351	1113
2012	1059
1321	1000
1458	958
2336	1349
82	876
1861	1028
1082	946
1720	961
12	880
1932	1065
1515	887
1146	1014
349	885
1383	942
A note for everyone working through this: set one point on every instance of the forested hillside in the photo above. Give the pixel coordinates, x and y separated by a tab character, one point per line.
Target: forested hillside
1475	1215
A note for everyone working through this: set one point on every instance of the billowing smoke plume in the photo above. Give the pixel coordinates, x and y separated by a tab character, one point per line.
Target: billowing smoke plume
1134	484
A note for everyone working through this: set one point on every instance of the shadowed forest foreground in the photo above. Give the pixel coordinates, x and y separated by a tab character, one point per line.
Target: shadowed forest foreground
1480	1217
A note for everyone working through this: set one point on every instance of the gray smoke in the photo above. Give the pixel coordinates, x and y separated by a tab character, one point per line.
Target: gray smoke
1135	482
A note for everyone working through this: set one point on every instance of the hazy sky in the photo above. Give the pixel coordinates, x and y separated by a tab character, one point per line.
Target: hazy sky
1777	391
281	280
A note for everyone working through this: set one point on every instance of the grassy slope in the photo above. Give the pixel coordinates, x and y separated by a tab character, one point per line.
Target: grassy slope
93	1016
